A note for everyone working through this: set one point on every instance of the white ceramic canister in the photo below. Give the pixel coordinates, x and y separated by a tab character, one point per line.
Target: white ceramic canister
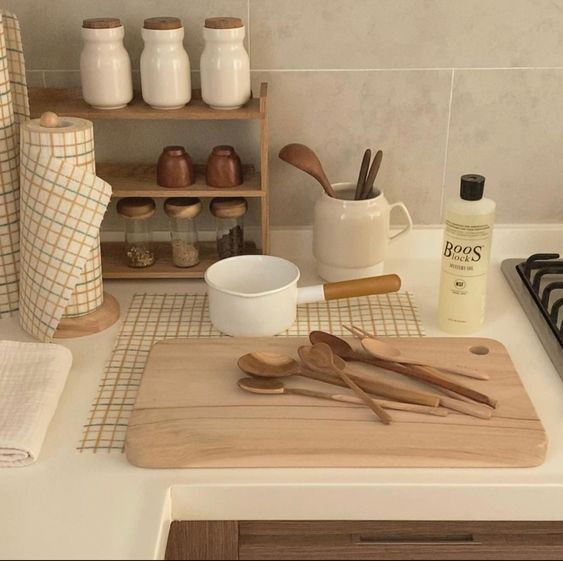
224	65
350	238
165	65
105	67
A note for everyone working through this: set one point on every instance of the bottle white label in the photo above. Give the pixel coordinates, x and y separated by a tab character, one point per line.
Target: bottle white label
465	262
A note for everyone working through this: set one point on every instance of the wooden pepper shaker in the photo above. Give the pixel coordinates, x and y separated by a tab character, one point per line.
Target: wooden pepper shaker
224	168
175	168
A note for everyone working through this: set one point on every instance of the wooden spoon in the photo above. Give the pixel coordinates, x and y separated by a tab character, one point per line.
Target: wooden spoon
368	185
269	365
363	174
320	357
387	352
272	365
303	158
276	386
344	350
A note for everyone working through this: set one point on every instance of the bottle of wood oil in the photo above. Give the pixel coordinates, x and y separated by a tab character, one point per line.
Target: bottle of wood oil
465	258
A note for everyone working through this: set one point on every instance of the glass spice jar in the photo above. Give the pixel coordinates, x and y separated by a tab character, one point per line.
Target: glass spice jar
183	212
138	230
229	214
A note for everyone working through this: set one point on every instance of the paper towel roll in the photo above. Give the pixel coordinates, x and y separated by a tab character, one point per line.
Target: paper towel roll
62	206
14	108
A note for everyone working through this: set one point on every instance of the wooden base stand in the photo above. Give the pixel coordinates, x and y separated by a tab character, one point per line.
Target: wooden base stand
105	316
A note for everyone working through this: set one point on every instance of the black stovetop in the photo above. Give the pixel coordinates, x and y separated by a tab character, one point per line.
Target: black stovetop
538	285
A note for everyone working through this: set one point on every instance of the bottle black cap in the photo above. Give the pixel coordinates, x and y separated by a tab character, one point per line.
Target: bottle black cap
472	187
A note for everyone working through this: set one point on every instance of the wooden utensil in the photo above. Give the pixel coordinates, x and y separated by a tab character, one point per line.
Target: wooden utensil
363	174
385	351
425	373
373	170
276	386
471	409
269	365
272	365
320	357
303	158
344	350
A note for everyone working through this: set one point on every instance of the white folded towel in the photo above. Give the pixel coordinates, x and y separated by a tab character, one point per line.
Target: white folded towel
32	378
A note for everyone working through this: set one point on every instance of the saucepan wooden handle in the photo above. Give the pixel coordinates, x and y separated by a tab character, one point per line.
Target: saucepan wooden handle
362	287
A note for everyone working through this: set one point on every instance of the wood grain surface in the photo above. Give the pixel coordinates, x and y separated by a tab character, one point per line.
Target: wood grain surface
99	320
380	539
190	413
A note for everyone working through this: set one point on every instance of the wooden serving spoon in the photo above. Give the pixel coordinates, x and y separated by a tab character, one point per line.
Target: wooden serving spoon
363	174
269	365
303	158
386	351
272	365
370	180
273	386
320	357
344	350
426	373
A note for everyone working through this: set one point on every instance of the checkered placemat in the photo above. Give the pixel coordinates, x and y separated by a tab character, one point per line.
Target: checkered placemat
154	317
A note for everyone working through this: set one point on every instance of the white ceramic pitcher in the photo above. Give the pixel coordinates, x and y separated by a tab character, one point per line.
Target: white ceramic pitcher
350	238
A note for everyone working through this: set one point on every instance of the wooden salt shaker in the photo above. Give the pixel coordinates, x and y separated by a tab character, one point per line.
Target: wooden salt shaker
224	168
175	168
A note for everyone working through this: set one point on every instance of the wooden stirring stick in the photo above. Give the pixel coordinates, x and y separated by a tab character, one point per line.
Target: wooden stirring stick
273	386
320	357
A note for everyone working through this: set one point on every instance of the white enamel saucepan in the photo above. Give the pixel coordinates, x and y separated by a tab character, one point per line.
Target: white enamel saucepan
257	295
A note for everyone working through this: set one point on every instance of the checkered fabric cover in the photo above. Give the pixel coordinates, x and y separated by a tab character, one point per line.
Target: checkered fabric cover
14	109
62	206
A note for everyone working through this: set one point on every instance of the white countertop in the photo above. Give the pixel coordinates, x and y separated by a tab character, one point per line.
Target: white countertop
73	505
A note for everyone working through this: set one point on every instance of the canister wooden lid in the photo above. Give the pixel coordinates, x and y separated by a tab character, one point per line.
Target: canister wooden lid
223	23
136	207
182	207
163	23
101	23
230	207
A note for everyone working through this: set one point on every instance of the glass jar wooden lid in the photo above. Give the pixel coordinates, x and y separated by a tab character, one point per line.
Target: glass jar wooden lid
223	23
231	207
161	23
182	207
101	23
138	208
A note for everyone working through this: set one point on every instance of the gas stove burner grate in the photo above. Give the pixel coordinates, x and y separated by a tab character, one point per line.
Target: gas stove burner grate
537	282
544	266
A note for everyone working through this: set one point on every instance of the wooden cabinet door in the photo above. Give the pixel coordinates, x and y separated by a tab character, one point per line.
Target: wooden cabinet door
203	540
366	540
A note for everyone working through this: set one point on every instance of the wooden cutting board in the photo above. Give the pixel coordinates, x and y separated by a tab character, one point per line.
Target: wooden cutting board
190	413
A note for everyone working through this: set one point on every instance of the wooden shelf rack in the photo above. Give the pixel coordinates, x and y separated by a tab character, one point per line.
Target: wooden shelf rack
139	179
115	266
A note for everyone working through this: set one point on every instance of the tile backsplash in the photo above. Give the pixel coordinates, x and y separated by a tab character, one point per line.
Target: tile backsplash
443	87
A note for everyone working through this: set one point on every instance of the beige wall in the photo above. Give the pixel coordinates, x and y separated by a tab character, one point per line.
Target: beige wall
444	87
